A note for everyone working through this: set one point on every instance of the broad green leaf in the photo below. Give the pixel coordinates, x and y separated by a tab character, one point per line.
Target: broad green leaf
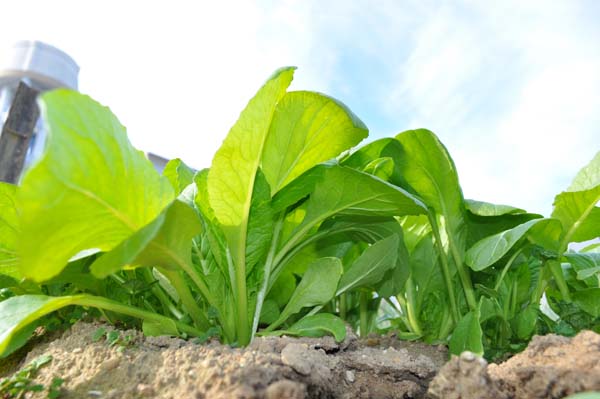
307	128
481	208
587	266
232	174
19	312
8	232
346	191
231	182
315	325
164	243
318	286
424	167
363	156
577	207
467	335
91	189
371	265
489	250
588	300
179	174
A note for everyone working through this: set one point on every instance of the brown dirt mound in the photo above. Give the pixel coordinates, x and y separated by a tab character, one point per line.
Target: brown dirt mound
551	367
271	368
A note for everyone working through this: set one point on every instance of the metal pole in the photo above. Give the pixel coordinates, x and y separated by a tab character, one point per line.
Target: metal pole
17	132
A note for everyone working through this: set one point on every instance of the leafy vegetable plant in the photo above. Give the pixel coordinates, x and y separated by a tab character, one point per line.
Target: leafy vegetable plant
292	230
476	272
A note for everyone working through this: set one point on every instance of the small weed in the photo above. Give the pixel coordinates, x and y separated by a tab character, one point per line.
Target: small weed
113	338
23	381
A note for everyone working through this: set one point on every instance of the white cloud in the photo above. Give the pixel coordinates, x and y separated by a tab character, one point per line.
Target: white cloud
512	90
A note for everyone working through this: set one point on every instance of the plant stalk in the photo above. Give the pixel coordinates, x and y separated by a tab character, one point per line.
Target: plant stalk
343	306
113	306
559	277
364	322
445	268
187	299
410	307
264	288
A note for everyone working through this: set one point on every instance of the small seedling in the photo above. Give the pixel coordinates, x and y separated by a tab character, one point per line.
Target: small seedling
113	338
23	381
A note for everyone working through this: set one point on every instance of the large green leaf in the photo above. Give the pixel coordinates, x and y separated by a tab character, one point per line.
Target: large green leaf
489	250
91	189
371	265
346	191
231	181
307	128
577	207
8	231
318	286
19	312
234	166
424	166
165	243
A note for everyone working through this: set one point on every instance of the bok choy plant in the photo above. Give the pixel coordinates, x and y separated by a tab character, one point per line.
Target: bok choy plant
476	272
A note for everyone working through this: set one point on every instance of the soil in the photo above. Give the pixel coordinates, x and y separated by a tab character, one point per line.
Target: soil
271	368
296	368
552	366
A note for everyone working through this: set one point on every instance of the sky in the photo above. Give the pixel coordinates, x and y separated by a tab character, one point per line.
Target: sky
512	88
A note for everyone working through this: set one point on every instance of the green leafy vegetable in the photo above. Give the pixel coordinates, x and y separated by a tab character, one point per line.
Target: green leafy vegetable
88	201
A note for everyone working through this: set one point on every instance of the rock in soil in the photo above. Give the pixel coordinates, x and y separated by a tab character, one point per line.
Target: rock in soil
271	368
551	367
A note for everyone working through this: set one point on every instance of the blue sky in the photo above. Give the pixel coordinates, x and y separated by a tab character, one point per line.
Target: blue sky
512	88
